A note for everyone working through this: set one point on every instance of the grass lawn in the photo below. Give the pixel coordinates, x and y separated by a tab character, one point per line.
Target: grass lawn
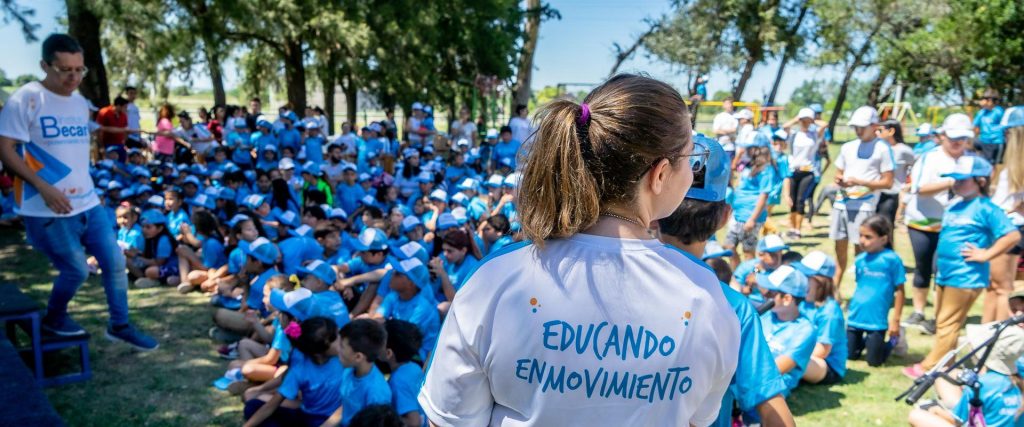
171	386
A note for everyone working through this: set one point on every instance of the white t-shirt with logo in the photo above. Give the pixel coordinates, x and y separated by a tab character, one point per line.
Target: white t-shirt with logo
805	150
54	134
924	212
866	161
590	330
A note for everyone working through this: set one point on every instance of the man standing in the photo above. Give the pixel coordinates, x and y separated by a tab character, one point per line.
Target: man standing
48	123
134	118
864	166
724	127
113	121
255	109
987	129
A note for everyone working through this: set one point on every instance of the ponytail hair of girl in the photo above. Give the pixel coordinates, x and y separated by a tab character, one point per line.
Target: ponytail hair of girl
591	155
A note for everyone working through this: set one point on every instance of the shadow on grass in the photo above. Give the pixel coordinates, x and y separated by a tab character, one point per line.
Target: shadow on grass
808	399
166	387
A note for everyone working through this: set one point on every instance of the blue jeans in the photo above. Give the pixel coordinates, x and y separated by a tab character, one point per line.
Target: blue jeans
65	240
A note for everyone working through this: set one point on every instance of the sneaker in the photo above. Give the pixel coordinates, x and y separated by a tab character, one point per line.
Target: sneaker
145	282
131	336
222	383
185	288
228	352
928	327
914	371
915	320
63	326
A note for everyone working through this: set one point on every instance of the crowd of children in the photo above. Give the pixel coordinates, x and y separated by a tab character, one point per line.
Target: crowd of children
332	264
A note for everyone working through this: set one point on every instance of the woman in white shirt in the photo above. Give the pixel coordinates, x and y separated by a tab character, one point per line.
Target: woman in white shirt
805	163
520	125
548	332
1009	195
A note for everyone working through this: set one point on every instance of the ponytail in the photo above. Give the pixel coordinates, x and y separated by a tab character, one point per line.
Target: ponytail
591	155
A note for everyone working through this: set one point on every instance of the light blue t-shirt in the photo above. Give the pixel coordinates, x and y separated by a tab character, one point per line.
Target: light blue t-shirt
255	300
782	166
237	258
746	194
977	221
457	274
830	328
320	385
175	219
314	149
743	271
213	253
328	303
879	274
358	393
131	237
420	311
1000	399
348	196
281	342
503	150
987	122
405	383
757	378
794	339
498	244
164	248
297	250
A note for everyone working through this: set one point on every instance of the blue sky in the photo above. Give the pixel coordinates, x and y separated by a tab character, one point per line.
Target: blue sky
575	49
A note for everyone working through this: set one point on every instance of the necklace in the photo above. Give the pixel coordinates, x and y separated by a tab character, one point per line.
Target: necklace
632	221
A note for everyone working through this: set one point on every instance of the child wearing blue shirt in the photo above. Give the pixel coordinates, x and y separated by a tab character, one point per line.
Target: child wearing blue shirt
409	282
349	191
506	149
750	199
880	278
365	271
195	267
314	375
974	231
176	212
495	233
318	277
782	177
404	343
828	361
157	263
790	335
769	258
298	249
362	384
129	234
461	256
314	145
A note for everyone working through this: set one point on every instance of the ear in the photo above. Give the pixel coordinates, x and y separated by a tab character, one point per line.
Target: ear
43	65
658	176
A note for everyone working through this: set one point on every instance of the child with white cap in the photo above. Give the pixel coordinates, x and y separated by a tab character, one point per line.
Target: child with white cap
999	385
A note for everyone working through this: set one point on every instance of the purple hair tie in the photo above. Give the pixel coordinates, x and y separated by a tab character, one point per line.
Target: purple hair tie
584	113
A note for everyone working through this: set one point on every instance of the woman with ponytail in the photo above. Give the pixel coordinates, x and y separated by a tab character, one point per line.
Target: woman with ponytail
591	321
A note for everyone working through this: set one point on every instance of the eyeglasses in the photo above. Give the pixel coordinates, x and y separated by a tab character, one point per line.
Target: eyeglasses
699	157
64	71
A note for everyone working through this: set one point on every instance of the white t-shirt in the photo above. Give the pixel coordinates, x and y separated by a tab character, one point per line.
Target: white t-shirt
1006	200
925	212
745	136
54	132
549	337
804	150
903	158
520	129
134	118
466	130
866	161
726	122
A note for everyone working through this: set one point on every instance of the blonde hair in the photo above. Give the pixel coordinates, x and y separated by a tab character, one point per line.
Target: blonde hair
1014	159
577	164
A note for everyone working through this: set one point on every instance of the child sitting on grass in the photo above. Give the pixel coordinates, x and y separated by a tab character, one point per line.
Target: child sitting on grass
197	266
260	356
260	266
310	391
362	384
157	263
880	278
790	335
769	258
828	362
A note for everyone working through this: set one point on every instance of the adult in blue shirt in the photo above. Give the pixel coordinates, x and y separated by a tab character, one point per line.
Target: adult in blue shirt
987	128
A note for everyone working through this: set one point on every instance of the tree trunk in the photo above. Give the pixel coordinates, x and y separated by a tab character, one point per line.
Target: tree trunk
295	75
521	93
84	26
748	69
857	60
875	91
787	54
211	52
328	83
216	77
351	101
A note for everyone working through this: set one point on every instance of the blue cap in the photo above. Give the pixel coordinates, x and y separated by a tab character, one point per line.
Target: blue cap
113	148
201	200
297	303
371	239
816	263
192	180
144	188
140	171
716	171
412	249
302	231
512	180
368	200
784	279
152	216
264	124
1013	117
262	250
771	243
412	268
127	193
240	124
817	108
713	249
970	167
254	201
425	177
410	222
211	192
250	175
199	169
348	167
461	199
310	168
321	270
289	218
226	193
337	213
409	152
114	185
494	181
237	219
446	221
467	184
760	140
156	201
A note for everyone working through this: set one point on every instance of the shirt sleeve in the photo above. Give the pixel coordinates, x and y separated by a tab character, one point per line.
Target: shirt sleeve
887	163
404	389
841	158
757	377
385	307
458	393
290	385
998	222
163	248
15	117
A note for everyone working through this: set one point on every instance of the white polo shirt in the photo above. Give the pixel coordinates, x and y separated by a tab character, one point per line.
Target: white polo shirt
54	134
590	330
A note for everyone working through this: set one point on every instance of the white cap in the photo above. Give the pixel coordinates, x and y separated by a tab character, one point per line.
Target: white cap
492	133
805	113
744	114
863	117
781	134
958	125
462	141
417	106
286	163
925	129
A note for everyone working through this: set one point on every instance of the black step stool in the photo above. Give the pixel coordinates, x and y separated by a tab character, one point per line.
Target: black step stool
18	310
